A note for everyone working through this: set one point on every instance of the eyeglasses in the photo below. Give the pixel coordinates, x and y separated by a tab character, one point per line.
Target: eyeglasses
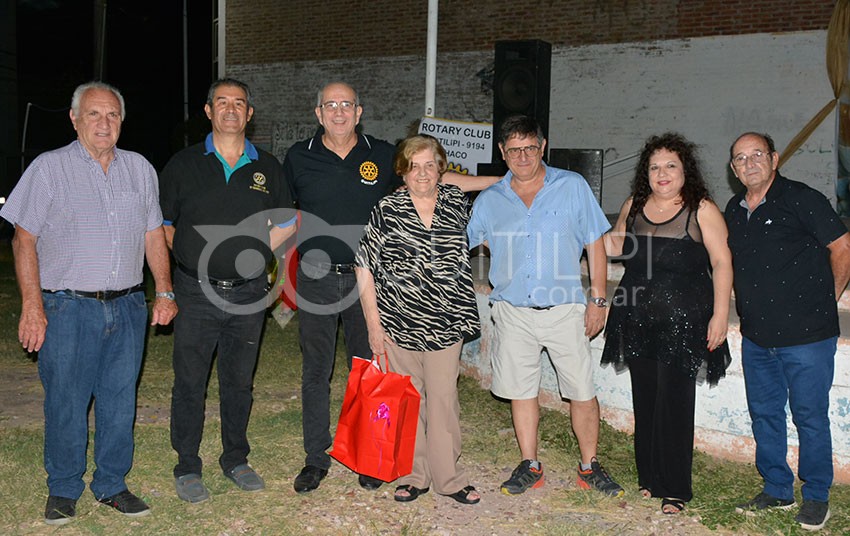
334	105
758	157
528	150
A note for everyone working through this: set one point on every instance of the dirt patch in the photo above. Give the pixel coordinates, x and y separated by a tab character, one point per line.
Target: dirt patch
21	396
538	511
22	399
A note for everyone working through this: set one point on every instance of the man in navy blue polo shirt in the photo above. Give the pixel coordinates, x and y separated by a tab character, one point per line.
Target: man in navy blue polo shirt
791	256
336	177
226	208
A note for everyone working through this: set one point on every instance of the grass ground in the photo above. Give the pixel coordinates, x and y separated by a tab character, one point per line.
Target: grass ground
339	506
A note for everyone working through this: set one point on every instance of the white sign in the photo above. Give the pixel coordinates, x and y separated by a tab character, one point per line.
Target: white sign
466	144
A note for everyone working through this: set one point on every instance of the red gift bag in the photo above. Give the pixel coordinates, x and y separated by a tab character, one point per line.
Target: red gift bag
376	433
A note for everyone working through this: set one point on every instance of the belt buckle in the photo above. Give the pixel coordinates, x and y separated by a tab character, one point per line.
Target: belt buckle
224	285
100	295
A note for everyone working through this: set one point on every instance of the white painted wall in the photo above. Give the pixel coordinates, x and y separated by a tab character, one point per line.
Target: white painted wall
710	89
608	97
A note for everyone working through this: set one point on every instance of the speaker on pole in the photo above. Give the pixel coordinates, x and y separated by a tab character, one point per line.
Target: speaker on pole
520	86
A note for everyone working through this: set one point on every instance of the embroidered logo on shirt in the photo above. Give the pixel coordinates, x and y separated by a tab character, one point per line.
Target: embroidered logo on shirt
259	183
768	222
368	172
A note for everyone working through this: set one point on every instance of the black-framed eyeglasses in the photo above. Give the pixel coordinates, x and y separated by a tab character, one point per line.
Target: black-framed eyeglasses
334	105
528	150
758	157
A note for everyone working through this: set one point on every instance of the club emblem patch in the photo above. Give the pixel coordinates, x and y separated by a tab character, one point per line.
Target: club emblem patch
259	183
368	172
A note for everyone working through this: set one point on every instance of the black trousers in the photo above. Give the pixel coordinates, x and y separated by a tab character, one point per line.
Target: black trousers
663	399
202	329
325	299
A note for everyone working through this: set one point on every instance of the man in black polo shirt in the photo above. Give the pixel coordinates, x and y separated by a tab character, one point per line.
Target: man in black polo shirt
337	178
220	282
791	257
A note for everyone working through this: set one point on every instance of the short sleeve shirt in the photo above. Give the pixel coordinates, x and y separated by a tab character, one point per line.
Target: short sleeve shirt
220	223
535	252
423	278
784	287
90	225
336	195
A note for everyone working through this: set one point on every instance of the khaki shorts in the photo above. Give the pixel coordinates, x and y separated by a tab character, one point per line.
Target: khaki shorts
522	333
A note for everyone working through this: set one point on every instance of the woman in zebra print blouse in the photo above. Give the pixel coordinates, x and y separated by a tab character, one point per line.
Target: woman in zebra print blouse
416	291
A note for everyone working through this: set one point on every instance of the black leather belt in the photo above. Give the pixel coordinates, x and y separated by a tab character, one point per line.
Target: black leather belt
100	295
331	267
224	284
538	308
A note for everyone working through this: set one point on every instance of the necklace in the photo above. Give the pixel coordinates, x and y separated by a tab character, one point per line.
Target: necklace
658	207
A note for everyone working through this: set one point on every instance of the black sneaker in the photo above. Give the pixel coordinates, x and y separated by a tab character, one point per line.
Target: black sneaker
523	478
127	503
762	502
813	515
597	478
59	510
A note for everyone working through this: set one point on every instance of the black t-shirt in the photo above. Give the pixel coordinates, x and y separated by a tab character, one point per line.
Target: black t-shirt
194	192
784	287
335	195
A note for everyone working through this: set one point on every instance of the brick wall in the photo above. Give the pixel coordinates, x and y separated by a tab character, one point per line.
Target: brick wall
267	31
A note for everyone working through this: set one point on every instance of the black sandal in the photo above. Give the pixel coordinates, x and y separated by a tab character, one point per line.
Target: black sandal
646	493
677	504
462	496
412	493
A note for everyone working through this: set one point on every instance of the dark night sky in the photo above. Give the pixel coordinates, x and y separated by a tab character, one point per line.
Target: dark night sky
143	59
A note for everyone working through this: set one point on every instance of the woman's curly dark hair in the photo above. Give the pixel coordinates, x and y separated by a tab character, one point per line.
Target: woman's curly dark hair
694	189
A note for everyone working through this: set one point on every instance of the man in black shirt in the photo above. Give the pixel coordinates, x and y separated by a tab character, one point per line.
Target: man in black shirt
337	178
791	257
218	200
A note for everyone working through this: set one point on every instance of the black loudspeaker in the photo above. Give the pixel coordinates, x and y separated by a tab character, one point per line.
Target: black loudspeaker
521	79
586	162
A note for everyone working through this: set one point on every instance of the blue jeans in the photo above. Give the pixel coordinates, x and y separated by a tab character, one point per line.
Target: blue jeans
201	330
91	349
317	334
802	376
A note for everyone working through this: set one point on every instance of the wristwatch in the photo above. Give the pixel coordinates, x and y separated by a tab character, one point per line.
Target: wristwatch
599	302
167	295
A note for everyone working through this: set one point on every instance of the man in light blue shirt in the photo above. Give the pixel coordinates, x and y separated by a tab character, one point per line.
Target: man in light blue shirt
536	222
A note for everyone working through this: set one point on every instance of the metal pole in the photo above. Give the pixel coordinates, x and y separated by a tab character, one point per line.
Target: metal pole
431	58
185	76
24	137
100	44
222	11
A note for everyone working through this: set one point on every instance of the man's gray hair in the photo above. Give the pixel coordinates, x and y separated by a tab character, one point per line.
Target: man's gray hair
321	92
81	90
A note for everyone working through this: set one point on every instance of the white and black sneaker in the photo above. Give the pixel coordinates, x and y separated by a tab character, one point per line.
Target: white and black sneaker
59	510
763	502
813	515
